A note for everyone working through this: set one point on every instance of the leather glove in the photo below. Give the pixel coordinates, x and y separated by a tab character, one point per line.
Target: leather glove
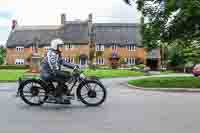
76	67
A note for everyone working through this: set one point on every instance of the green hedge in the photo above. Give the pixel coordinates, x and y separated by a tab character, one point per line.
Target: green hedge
14	66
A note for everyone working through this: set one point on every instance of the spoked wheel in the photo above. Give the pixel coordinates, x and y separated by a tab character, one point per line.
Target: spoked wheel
92	93
33	92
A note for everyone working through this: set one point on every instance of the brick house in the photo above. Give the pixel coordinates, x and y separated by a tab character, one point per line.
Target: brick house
122	38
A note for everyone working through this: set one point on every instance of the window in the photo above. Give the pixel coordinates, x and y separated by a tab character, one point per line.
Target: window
19	61
46	48
100	61
69	59
19	49
114	47
130	61
131	47
69	46
99	47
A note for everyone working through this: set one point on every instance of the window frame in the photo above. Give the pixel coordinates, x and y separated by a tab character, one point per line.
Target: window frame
131	60
100	47
19	61
69	46
46	48
131	47
69	59
100	61
114	46
19	48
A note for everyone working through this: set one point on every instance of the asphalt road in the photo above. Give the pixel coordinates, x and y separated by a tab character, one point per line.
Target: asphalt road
125	111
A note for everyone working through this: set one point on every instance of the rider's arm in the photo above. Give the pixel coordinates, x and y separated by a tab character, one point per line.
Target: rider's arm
66	64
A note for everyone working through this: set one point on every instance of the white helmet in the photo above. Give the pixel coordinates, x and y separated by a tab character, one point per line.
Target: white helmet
55	43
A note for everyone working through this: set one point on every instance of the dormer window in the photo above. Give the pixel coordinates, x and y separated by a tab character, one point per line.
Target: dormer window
99	47
131	47
19	49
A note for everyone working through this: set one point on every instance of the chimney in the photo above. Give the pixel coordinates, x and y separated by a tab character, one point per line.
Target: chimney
63	18
90	17
90	28
14	24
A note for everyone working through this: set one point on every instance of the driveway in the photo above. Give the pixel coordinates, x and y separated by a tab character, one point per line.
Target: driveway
125	111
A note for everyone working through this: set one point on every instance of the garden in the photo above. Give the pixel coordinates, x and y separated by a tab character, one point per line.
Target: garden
13	72
167	82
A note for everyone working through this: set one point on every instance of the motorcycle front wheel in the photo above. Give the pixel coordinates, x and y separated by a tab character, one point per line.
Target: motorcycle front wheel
92	93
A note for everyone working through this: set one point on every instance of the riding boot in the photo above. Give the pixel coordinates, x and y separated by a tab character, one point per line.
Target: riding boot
60	93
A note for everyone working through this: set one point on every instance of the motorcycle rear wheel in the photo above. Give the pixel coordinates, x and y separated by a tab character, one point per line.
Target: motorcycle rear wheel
36	95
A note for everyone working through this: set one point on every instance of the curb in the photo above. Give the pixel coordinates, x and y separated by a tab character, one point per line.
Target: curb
164	89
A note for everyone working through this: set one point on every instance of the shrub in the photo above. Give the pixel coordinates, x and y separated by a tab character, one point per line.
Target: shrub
141	66
14	66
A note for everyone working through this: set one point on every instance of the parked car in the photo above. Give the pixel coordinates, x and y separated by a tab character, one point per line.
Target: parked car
196	70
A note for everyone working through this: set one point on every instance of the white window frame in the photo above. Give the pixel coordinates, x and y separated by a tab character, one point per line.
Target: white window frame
69	59
19	61
131	47
99	47
100	61
114	47
46	48
134	47
19	49
69	46
130	61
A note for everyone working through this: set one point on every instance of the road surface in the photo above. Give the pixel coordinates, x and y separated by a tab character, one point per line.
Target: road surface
125	111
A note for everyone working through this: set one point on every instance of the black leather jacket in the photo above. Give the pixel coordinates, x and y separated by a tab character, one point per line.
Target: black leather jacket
53	62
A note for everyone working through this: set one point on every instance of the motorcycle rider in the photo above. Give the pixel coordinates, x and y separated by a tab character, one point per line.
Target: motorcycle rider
50	68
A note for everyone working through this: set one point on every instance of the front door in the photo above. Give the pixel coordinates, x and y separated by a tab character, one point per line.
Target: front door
83	61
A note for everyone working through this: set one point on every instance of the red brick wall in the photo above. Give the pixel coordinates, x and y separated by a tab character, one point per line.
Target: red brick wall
12	54
123	53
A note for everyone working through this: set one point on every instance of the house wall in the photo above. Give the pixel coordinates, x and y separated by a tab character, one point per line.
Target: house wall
12	54
138	53
77	50
82	49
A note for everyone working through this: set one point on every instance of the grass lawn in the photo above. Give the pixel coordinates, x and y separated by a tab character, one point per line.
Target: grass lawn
11	75
109	73
167	82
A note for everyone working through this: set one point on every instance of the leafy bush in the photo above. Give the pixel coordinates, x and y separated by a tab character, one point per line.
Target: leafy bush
135	68
14	66
2	55
141	66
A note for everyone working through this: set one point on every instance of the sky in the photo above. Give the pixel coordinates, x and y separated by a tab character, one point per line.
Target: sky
47	12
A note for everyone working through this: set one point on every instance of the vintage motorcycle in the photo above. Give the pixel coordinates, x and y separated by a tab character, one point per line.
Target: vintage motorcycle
89	91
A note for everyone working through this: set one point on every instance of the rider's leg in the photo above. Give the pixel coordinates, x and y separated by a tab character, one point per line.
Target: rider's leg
61	78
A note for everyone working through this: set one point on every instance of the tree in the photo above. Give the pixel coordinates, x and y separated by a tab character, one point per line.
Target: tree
172	22
2	54
182	54
172	19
